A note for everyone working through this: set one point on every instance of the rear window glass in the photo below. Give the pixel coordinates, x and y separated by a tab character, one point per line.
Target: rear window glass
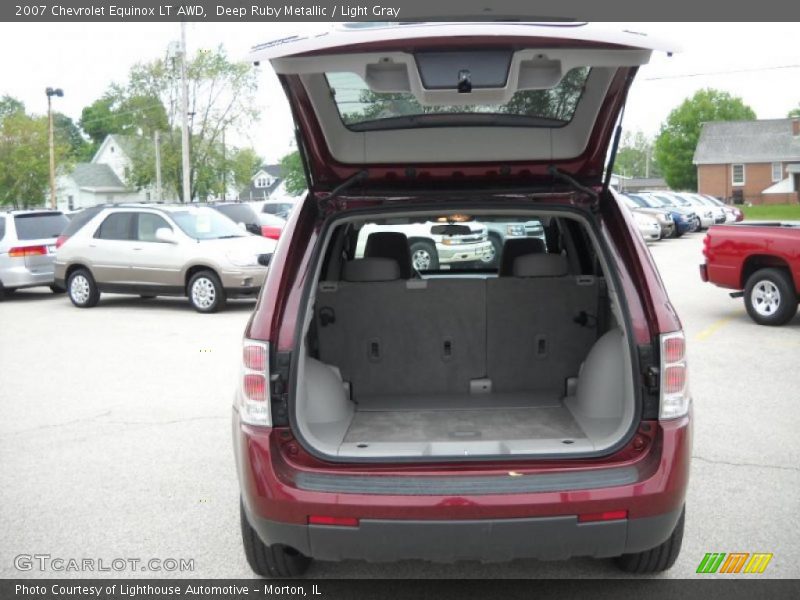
362	109
239	213
117	226
40	225
80	219
278	208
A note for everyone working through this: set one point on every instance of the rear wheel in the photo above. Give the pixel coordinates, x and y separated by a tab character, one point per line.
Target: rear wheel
205	292
424	256
770	297
82	289
270	561
657	559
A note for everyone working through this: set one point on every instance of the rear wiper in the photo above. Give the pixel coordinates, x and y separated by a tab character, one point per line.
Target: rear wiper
557	173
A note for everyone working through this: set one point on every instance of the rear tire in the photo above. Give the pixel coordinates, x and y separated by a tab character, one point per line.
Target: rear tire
424	256
657	559
770	297
82	289
270	561
205	292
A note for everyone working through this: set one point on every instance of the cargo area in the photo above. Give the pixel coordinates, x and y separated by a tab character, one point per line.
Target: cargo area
527	359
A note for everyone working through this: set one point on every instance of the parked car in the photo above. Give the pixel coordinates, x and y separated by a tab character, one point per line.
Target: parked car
27	248
732	213
240	213
502	230
437	242
170	250
271	226
684	223
705	213
541	411
761	262
719	214
664	218
278	208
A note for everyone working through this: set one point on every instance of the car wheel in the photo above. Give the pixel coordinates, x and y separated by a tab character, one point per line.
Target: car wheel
424	256
82	289
205	292
770	297
57	289
491	259
270	561
657	559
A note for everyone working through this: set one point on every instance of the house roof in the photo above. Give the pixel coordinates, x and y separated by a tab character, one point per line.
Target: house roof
271	170
767	140
94	175
262	193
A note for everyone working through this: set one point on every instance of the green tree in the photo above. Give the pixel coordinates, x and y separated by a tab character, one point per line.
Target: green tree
24	156
120	112
244	163
635	156
677	140
293	174
795	112
69	134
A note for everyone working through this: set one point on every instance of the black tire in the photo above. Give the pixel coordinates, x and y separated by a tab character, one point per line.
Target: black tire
770	297
497	248
270	561
657	559
82	289
424	256
57	289
146	296
210	296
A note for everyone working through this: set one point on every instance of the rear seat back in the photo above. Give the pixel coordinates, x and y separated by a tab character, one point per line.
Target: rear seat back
402	337
542	321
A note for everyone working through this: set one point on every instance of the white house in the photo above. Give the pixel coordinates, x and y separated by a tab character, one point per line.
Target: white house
263	184
103	180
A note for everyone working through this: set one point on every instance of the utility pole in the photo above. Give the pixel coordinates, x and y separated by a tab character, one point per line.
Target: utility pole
158	165
50	93
186	168
224	169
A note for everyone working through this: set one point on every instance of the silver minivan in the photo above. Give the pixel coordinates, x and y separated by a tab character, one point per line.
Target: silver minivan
179	250
27	248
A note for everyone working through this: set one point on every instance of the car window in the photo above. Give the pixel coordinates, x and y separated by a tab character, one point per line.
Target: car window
206	224
117	226
277	209
80	219
240	213
147	224
38	226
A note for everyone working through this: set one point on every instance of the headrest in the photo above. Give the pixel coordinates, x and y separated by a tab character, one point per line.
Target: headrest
540	265
371	269
390	244
514	248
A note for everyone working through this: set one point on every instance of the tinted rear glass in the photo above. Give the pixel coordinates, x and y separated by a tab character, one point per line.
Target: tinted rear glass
80	219
360	108
40	225
278	208
117	226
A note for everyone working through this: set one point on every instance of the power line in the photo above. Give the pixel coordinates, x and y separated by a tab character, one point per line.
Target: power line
732	71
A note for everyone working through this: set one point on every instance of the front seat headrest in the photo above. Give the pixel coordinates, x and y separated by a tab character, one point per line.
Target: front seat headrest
515	248
390	244
371	269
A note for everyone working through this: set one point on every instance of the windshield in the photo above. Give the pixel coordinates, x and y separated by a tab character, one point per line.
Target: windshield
666	201
630	201
362	109
206	224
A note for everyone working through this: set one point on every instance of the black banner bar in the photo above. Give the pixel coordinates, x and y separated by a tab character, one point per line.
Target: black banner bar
393	10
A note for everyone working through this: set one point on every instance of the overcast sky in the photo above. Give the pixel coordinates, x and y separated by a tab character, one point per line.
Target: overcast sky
759	62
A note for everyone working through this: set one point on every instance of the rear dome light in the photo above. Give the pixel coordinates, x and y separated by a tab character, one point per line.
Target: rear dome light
253	398
674	377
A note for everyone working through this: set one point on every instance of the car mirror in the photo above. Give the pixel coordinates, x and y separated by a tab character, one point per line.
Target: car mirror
264	259
164	234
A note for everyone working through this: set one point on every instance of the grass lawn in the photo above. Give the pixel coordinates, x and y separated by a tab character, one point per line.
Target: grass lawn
769	212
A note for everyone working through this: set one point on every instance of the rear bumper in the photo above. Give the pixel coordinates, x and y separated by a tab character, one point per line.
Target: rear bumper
485	540
20	276
443	513
244	281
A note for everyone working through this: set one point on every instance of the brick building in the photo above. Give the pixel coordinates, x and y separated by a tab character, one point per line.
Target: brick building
751	161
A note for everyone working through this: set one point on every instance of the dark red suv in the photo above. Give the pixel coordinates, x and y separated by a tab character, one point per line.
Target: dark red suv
535	406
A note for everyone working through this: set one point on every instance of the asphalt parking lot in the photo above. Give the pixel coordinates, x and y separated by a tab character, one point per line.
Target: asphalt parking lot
115	436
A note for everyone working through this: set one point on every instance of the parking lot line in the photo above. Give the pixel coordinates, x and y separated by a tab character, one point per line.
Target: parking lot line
714	327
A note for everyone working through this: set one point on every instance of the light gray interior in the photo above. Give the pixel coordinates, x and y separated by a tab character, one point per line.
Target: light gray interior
464	366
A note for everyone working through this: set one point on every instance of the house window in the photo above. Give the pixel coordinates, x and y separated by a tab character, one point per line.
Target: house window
737	174
262	182
777	172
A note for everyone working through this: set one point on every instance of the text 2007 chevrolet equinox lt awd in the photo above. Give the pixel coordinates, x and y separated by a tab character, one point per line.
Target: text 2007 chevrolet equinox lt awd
536	409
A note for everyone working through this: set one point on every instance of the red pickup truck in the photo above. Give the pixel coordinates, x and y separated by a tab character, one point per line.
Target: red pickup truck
759	260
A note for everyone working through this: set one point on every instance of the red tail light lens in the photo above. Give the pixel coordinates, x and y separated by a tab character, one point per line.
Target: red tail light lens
340	521
272	233
674	378
609	515
60	240
253	394
674	349
22	251
255	388
255	358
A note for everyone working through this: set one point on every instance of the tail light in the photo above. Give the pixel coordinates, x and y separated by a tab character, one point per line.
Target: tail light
60	241
253	393
674	379
22	251
271	232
